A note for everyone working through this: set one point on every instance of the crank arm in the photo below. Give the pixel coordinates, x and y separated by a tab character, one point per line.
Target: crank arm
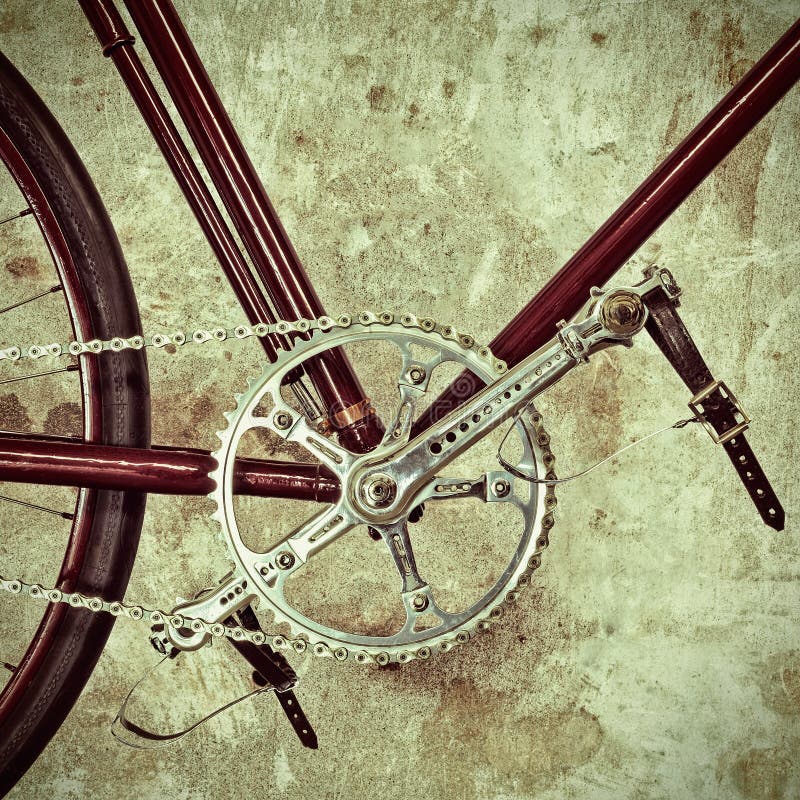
489	487
610	317
215	605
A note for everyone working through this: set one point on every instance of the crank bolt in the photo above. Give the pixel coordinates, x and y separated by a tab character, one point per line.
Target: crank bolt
623	312
416	375
378	490
282	420
419	602
285	560
501	488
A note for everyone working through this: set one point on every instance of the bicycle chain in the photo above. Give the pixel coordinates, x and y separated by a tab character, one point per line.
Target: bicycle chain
200	336
262	329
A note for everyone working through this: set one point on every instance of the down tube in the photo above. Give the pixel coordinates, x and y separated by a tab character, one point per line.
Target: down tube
643	212
64	461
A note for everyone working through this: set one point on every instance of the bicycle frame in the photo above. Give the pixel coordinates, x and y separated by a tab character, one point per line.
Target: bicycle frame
65	461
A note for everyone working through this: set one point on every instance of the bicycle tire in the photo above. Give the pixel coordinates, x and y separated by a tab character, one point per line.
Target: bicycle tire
116	398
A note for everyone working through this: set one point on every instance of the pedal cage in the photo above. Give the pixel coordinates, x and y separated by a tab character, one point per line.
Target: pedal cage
271	673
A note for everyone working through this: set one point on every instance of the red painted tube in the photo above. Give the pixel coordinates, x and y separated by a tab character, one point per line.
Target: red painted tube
642	213
287	480
245	198
654	201
111	32
68	462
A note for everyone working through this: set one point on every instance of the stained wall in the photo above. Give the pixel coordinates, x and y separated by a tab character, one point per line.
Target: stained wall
446	158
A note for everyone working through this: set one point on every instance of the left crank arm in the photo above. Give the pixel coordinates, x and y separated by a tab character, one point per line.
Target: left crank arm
229	601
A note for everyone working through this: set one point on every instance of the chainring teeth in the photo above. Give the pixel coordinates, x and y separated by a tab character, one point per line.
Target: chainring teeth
301	640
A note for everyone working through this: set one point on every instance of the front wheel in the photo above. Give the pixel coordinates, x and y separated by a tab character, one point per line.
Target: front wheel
46	191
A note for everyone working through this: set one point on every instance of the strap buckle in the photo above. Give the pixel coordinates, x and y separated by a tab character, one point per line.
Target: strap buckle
742	420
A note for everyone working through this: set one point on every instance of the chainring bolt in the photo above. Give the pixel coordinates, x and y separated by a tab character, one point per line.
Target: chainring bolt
419	602
416	375
285	560
501	488
282	420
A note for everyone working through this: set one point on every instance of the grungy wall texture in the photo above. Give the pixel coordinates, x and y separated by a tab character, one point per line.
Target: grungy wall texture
446	158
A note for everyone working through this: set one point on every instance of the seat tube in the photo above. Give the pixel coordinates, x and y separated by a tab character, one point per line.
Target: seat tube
265	239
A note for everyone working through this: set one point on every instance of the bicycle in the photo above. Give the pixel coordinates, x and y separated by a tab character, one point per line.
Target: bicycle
344	406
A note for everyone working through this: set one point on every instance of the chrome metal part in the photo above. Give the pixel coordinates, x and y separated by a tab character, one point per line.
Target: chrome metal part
696	405
623	312
380	489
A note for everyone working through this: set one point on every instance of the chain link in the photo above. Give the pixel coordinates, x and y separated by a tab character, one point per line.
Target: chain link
176	622
201	336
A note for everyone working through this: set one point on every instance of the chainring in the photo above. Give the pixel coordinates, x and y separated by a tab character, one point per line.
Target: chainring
268	572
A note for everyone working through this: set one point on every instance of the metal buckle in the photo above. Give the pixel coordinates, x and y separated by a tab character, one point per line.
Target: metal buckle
696	405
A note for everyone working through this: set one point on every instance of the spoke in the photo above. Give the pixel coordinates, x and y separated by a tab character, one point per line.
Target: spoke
51	290
412	383
9	667
447	488
294	427
16	216
315	534
70	368
491	487
62	514
400	428
416	593
328	452
419	602
399	543
293	552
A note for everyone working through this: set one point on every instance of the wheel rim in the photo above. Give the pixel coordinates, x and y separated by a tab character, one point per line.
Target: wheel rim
80	320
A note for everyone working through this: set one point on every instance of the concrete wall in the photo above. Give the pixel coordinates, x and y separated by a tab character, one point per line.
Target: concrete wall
446	158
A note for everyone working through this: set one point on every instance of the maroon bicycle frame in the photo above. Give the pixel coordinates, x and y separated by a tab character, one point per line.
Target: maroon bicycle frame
277	284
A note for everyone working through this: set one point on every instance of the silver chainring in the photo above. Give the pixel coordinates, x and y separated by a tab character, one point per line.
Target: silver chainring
265	574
